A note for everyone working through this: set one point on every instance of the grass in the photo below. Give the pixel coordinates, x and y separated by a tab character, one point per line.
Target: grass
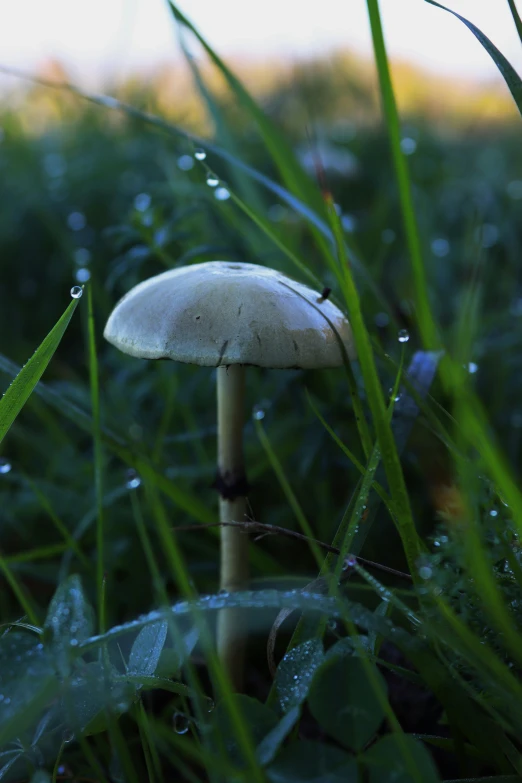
408	458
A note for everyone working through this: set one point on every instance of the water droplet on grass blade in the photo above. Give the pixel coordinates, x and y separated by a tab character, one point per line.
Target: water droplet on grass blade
212	181
133	480
222	194
258	413
76	291
200	154
403	336
5	466
180	723
425	572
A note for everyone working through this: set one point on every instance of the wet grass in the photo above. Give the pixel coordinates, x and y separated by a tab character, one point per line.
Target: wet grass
407	458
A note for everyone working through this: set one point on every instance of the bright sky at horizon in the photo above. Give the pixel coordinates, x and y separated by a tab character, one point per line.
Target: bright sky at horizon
115	37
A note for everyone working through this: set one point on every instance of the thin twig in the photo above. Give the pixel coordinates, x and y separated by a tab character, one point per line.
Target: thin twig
283	531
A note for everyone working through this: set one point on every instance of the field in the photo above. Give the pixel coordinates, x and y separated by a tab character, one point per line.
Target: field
381	616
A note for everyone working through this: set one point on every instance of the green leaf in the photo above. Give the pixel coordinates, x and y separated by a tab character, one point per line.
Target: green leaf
172	658
69	622
344	702
146	650
511	77
269	746
386	761
257	717
87	696
296	671
27	683
313	762
21	388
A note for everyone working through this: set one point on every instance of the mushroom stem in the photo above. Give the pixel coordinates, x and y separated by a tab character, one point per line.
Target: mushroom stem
231	637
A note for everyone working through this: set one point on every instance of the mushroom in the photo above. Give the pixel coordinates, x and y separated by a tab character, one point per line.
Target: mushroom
230	315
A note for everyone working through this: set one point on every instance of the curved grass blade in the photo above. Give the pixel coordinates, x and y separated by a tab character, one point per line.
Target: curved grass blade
427	326
389	452
511	77
98	458
22	387
281	152
516	17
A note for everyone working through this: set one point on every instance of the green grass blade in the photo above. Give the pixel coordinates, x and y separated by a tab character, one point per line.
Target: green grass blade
18	591
21	388
59	525
288	491
98	460
385	438
516	17
426	323
511	77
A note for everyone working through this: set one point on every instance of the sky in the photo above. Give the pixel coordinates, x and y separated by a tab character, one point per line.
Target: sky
115	37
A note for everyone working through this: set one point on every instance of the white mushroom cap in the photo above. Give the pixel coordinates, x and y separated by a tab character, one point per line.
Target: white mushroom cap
221	313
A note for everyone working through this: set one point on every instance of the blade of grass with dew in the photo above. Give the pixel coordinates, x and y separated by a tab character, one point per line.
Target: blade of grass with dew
427	326
386	441
451	629
437	634
22	386
353	459
288	491
404	412
223	131
351	537
511	77
359	507
280	151
98	459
